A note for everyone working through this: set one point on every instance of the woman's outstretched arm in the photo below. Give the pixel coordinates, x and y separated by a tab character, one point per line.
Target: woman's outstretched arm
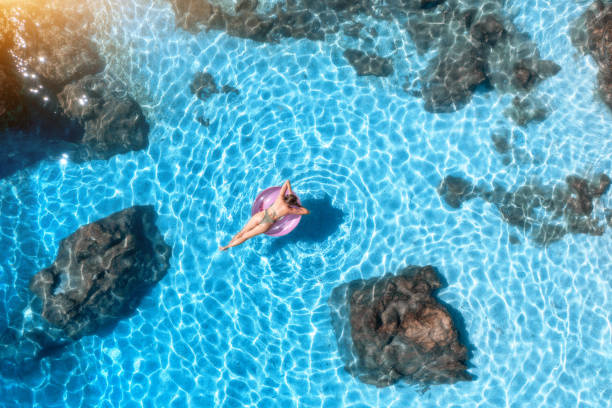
299	211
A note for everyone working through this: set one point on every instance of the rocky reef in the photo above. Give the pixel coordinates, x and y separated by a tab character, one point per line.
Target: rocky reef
392	328
548	213
291	19
47	64
477	46
102	271
592	34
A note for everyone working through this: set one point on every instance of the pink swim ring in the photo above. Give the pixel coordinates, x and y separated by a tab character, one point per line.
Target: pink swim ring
283	226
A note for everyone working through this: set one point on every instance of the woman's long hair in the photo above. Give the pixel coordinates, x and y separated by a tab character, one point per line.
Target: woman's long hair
291	200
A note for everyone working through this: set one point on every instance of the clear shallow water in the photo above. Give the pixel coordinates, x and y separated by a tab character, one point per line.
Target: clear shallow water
252	326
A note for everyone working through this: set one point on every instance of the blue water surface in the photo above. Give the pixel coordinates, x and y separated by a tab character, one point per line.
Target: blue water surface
251	327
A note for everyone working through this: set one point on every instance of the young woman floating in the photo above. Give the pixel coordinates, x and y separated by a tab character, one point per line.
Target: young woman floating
286	203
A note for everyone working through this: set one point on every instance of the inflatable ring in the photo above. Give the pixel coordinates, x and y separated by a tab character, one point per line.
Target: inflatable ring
283	226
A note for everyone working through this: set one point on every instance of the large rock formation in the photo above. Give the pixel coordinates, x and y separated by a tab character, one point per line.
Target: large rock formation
45	42
113	122
102	272
547	212
41	52
592	34
46	51
392	329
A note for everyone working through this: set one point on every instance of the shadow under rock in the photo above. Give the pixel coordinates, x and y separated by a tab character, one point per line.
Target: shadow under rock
323	220
48	136
459	323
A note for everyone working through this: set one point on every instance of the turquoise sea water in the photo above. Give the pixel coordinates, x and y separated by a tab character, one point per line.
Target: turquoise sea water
251	327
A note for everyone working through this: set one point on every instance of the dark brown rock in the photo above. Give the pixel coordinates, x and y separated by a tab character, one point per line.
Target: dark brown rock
298	24
592	34
41	50
369	64
398	331
600	185
113	122
523	77
229	89
289	21
194	15
102	271
426	29
204	86
12	104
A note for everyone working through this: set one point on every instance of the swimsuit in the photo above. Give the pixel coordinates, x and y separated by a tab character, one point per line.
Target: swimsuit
266	218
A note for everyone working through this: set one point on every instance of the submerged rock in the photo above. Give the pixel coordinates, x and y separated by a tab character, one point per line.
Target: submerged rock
102	271
353	29
547	212
113	122
583	192
452	77
501	142
203	85
592	34
392	328
526	109
456	191
369	64
246	22
475	46
488	30
527	72
311	19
